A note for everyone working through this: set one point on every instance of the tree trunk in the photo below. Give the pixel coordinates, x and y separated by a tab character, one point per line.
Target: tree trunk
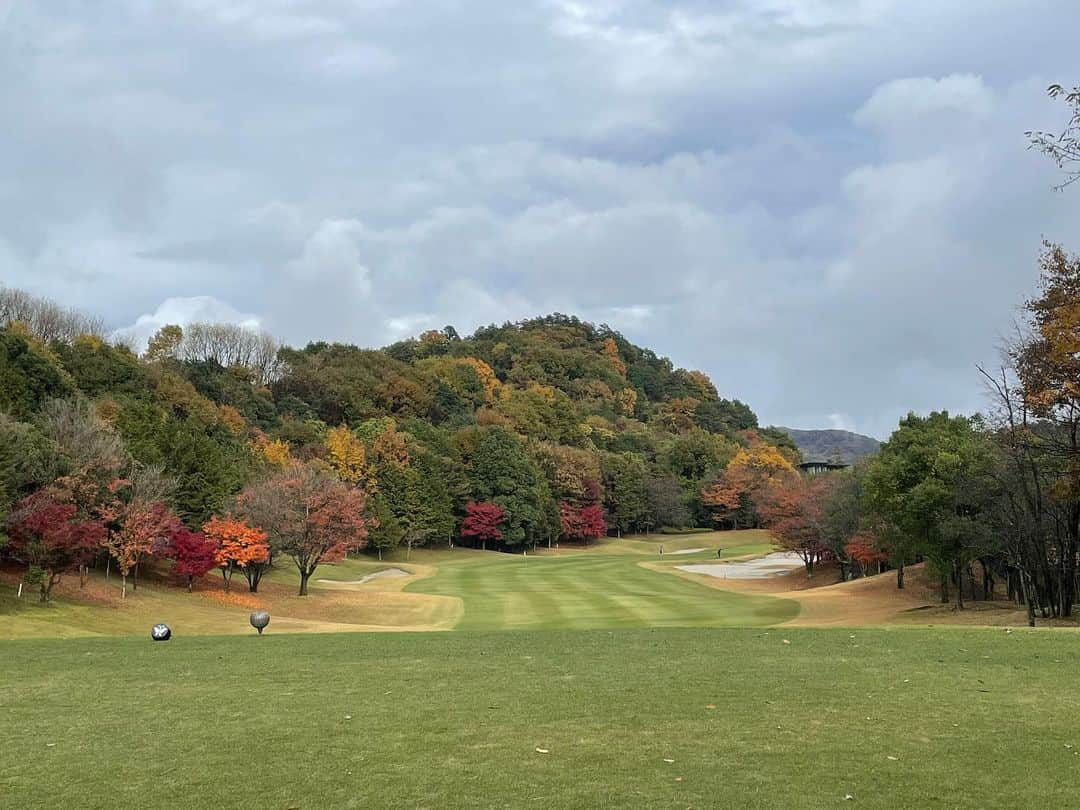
135	578
900	577
47	583
959	586
108	565
944	589
304	576
123	586
190	580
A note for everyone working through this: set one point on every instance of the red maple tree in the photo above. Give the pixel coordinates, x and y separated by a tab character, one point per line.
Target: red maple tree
482	522
45	534
582	523
193	554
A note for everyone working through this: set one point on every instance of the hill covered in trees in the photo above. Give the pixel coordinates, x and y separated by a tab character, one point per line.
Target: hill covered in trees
517	435
827	445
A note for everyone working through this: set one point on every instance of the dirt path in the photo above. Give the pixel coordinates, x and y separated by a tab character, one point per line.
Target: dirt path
349	583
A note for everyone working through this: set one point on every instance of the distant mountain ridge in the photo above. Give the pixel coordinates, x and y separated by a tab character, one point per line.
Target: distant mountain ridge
825	445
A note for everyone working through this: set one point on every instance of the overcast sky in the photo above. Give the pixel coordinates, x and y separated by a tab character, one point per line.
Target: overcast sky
827	205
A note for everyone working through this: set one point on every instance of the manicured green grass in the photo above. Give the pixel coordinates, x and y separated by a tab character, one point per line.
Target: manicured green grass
951	718
750	541
591	589
602	586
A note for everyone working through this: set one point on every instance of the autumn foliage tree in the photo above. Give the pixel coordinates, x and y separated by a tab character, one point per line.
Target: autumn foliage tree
46	535
193	554
792	508
864	551
308	514
144	530
723	498
238	547
733	496
345	454
581	523
482	521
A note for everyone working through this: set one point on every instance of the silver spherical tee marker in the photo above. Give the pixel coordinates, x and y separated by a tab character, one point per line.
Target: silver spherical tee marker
259	619
160	632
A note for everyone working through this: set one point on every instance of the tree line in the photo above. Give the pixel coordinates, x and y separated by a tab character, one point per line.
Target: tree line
985	501
216	448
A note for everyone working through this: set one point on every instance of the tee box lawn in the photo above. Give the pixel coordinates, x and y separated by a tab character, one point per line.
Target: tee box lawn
636	718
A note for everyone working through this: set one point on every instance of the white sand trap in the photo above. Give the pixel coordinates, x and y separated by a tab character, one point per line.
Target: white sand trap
389	572
687	551
771	565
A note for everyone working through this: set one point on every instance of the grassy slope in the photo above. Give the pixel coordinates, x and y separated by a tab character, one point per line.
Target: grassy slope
453	720
99	611
604	587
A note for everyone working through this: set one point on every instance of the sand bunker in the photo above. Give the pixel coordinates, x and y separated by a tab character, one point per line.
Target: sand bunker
389	572
688	551
771	565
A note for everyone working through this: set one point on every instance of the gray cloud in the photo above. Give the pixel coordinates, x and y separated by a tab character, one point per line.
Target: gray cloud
825	204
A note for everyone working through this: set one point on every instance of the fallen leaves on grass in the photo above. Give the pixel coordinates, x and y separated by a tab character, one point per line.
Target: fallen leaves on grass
231	599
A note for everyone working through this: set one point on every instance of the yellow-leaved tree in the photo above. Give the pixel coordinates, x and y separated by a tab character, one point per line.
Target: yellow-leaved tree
345	454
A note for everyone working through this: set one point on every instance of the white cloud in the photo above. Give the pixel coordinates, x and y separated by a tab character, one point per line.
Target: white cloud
840	421
182	311
825	205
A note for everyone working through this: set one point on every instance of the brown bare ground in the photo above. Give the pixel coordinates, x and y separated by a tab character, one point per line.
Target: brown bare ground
873	600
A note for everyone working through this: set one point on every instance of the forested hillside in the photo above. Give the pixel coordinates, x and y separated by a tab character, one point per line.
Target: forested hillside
521	434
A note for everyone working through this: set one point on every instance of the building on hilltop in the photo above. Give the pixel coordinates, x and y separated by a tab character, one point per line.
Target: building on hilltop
820	466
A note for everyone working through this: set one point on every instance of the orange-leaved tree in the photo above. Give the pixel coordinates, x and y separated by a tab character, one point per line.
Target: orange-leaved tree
753	469
240	547
864	551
